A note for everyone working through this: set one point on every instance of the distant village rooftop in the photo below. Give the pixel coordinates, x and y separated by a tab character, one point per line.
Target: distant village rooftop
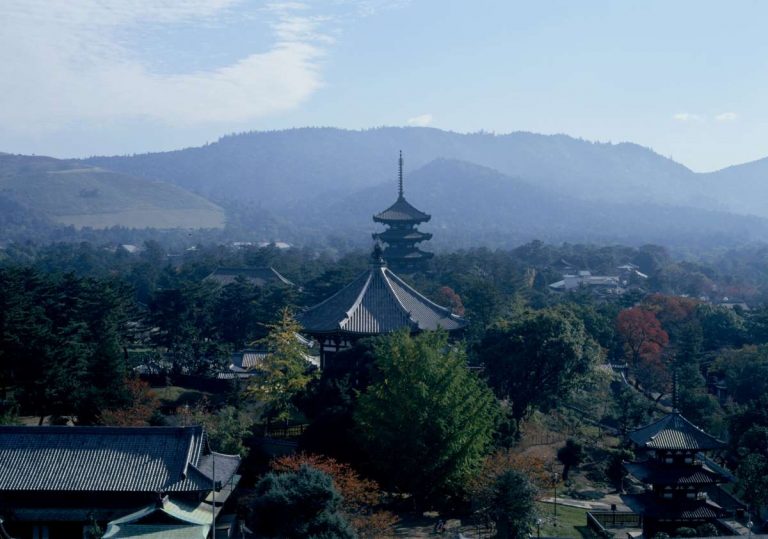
259	277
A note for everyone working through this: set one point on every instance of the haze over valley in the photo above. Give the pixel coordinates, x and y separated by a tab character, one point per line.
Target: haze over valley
302	185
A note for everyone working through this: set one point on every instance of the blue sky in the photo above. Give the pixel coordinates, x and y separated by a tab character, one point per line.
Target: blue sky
688	79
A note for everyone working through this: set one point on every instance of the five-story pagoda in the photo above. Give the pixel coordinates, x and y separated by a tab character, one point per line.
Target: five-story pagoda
401	236
676	476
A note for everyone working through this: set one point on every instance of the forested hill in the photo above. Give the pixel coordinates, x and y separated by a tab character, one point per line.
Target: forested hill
310	186
39	189
474	205
285	168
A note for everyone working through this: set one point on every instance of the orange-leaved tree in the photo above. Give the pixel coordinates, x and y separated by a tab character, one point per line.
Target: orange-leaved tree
138	412
362	497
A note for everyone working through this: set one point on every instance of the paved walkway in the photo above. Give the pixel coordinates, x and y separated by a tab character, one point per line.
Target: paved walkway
603	504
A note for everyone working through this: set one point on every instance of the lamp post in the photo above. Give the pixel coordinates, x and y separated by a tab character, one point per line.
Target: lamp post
555	477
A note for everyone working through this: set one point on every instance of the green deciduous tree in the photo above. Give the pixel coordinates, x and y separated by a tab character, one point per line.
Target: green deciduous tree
428	421
753	479
537	358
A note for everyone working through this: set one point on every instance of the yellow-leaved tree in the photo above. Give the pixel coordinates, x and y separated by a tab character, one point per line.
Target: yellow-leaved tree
285	370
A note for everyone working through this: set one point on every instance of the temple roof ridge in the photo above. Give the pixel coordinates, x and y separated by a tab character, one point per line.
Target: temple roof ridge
674	431
377	301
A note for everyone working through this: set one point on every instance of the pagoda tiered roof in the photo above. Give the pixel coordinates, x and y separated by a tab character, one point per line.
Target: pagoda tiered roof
660	474
413	235
693	510
674	432
401	212
377	301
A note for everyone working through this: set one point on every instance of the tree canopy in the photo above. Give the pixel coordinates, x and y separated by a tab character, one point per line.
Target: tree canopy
537	358
427	421
298	505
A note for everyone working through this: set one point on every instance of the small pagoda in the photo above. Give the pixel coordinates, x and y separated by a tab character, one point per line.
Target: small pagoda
677	480
376	302
401	236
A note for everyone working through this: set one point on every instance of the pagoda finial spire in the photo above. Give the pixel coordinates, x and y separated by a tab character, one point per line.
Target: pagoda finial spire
400	176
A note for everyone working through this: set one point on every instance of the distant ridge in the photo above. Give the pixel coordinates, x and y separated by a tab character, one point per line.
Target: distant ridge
283	168
474	205
309	183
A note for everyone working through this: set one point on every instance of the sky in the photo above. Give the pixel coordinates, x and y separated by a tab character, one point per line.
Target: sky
688	79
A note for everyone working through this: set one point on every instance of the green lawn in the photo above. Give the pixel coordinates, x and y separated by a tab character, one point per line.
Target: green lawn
571	521
179	396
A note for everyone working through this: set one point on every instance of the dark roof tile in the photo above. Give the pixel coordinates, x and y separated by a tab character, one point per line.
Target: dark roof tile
673	431
660	474
104	459
401	211
259	277
376	302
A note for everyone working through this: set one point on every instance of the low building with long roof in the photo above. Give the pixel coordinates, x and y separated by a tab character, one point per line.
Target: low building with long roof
59	481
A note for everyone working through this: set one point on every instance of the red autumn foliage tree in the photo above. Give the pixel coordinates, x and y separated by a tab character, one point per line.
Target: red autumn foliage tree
642	333
446	294
361	496
138	413
644	342
671	310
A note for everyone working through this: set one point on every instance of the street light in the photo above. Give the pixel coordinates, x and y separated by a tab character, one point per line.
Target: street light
555	477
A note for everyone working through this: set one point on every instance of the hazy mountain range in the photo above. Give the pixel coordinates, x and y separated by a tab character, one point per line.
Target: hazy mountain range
479	188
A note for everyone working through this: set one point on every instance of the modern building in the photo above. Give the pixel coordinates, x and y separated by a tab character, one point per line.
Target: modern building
374	303
678	481
402	234
61	482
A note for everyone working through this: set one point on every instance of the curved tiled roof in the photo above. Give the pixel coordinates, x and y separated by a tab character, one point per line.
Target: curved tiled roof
673	431
108	459
376	302
410	235
659	474
259	277
649	505
401	211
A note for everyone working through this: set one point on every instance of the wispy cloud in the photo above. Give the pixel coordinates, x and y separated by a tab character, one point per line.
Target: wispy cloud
687	117
69	62
726	117
421	120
